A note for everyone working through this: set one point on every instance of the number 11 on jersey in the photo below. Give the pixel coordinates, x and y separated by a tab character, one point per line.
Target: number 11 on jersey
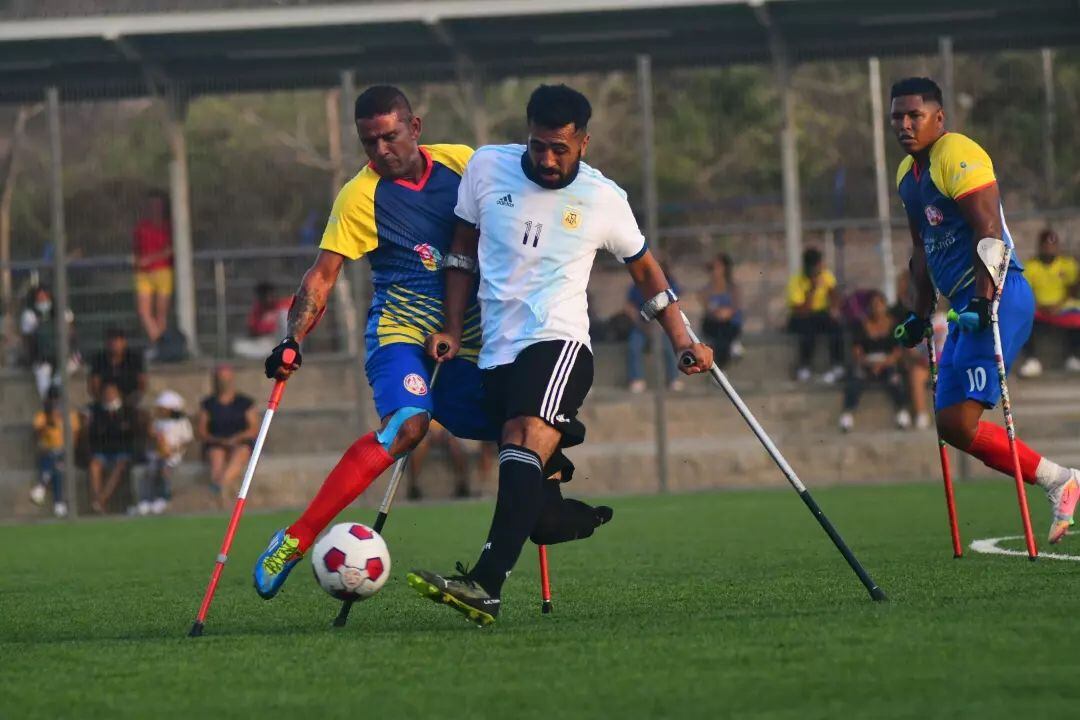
528	230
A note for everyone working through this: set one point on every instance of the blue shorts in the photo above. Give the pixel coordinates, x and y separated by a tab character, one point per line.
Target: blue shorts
967	369
400	376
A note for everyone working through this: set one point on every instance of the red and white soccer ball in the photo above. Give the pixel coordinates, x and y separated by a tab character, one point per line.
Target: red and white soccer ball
351	561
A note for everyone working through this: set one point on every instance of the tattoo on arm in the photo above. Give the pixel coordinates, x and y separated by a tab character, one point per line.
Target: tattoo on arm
304	310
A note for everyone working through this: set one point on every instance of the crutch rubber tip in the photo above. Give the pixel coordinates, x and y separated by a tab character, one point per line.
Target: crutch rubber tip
878	595
196	629
546	608
957	556
343	614
1033	558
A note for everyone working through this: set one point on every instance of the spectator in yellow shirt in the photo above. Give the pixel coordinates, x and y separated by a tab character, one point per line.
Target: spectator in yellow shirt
814	303
1055	280
49	430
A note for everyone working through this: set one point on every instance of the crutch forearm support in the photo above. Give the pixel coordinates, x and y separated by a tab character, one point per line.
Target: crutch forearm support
654	305
687	358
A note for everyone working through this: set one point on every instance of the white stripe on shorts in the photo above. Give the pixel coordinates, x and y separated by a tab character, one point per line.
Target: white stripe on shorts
552	410
553	381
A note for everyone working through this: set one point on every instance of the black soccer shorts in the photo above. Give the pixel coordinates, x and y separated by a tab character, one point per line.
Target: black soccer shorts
548	380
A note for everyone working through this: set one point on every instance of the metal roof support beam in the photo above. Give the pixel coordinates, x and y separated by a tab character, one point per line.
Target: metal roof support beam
884	208
789	153
1049	114
948	81
176	105
63	305
652	233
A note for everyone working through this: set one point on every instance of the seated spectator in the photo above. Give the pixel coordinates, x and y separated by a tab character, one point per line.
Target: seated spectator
227	427
38	327
875	357
914	360
170	434
266	324
119	365
438	435
49	429
638	341
113	434
153	250
723	316
814	303
1055	280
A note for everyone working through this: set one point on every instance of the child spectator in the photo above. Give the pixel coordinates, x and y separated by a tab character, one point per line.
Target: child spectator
875	357
153	250
1055	279
49	429
170	434
113	435
38	327
814	304
723	316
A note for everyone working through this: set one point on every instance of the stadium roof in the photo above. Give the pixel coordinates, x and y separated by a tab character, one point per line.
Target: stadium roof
252	45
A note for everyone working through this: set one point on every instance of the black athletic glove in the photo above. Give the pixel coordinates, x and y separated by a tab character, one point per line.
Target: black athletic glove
912	331
975	317
276	361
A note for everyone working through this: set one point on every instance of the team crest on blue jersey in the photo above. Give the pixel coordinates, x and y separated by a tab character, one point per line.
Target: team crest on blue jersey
415	384
429	256
933	215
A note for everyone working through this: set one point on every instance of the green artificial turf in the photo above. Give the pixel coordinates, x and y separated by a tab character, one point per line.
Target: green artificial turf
706	605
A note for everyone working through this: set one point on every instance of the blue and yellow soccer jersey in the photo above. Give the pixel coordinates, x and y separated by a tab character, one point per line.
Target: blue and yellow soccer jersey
958	167
404	229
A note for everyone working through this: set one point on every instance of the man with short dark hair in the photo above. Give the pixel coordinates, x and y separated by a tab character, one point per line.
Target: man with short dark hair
531	220
399	212
120	365
949	190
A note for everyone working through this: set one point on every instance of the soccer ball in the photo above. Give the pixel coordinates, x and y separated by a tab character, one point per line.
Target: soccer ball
351	561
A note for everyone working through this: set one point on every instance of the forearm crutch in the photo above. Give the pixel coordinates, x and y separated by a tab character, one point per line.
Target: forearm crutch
946	470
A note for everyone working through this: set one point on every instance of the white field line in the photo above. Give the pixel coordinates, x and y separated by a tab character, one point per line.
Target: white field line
989	546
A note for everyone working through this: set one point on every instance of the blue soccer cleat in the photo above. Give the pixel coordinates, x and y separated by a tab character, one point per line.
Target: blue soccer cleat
274	565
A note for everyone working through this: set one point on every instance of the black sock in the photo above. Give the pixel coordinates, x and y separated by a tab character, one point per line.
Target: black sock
520	500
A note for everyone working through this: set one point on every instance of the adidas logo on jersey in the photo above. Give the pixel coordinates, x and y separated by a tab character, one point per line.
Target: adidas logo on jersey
505	201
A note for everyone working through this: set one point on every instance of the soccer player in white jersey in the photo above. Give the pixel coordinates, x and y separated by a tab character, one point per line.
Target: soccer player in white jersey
532	220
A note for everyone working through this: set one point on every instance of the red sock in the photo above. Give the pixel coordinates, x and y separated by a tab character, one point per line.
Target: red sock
364	461
991	445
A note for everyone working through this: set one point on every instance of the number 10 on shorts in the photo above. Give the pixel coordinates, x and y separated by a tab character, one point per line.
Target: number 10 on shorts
976	379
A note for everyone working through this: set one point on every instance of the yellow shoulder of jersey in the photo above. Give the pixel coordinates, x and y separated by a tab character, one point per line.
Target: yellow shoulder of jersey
350	229
455	157
905	167
959	166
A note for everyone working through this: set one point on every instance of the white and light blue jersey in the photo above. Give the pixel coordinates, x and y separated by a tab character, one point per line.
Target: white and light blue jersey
537	247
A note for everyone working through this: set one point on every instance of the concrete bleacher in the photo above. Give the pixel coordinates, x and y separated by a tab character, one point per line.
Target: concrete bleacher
328	404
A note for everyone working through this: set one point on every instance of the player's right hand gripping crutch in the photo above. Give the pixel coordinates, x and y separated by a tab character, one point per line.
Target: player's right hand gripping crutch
943	452
288	356
688	359
954	524
995	255
388	498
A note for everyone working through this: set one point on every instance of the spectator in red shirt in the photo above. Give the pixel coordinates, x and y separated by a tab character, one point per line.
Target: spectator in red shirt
153	250
266	323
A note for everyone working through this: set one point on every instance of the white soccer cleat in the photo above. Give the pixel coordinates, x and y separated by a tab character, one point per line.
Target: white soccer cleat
37	494
1063	501
847	422
1031	368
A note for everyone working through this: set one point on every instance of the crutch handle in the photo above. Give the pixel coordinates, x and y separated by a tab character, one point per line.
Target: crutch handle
442	348
687	358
